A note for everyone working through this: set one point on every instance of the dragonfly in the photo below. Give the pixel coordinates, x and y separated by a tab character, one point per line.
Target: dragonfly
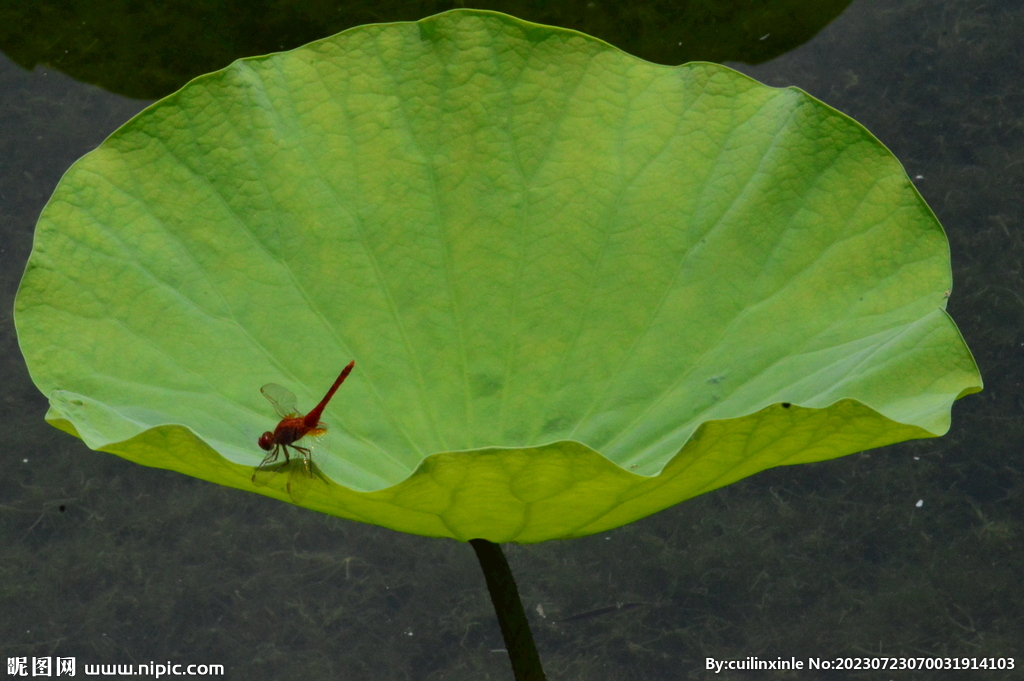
293	427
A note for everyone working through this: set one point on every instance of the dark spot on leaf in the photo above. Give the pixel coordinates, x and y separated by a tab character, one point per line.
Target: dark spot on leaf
555	424
786	405
63	508
484	385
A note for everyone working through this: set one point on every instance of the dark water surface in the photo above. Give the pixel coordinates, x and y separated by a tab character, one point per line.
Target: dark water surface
912	550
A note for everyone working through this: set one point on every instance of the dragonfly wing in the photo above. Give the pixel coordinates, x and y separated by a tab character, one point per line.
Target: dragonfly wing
268	468
303	476
300	477
264	474
299	471
282	398
297	462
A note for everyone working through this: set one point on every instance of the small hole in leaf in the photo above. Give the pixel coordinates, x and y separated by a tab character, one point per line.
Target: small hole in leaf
786	405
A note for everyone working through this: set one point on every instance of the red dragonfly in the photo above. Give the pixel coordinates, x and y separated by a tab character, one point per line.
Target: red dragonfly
292	428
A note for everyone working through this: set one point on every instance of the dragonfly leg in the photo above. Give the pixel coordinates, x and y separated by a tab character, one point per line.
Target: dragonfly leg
307	459
268	460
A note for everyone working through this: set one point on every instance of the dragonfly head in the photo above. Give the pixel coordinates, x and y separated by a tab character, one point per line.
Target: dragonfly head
266	441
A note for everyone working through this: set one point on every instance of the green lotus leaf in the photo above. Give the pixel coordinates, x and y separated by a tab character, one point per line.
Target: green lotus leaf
578	287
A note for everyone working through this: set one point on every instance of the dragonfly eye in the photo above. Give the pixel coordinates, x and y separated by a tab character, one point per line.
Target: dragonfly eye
266	441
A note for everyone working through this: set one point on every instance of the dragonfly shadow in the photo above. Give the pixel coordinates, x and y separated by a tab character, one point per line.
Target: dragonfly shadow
296	477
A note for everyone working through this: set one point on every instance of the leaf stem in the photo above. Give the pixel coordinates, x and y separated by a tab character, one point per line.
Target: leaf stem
522	652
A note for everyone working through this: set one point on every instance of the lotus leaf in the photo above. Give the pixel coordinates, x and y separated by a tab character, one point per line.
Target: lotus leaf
578	287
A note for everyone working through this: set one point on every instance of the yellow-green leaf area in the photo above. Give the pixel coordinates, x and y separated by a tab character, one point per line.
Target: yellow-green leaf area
579	287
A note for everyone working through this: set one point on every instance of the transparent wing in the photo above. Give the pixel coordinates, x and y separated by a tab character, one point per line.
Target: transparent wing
300	473
266	471
300	477
303	472
282	398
